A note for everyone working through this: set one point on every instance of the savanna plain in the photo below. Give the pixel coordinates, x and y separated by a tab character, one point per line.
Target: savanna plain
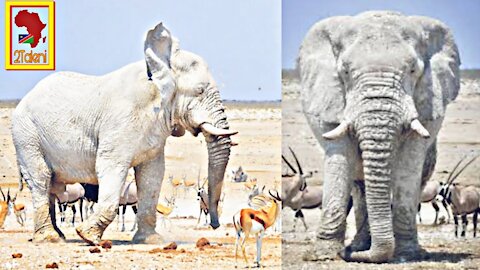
258	152
458	137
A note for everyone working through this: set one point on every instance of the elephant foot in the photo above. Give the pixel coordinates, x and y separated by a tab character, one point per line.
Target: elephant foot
359	243
150	237
91	235
48	235
323	250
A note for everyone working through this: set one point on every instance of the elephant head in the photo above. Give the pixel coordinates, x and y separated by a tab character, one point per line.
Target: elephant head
378	76
189	90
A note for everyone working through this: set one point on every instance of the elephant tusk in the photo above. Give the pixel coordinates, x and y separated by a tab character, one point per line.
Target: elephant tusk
420	129
336	133
212	130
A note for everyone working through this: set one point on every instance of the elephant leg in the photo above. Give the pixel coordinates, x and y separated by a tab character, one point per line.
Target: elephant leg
406	189
149	177
437	209
362	239
338	178
111	177
38	178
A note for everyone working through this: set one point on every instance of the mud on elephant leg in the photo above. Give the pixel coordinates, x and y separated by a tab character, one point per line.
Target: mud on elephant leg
362	240
336	195
406	189
39	182
149	177
110	181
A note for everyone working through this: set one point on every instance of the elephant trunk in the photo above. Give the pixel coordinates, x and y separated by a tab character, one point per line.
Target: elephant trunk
218	154
377	125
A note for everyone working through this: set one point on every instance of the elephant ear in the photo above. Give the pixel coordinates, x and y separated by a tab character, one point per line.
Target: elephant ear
440	81
323	92
158	49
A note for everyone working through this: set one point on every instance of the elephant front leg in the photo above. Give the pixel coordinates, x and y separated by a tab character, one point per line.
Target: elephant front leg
110	181
406	189
149	177
362	239
336	194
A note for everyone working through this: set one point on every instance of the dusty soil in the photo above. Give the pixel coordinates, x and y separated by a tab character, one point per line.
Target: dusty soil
258	152
458	136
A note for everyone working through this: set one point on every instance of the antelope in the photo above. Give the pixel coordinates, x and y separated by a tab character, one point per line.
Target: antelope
463	200
293	188
3	208
166	210
254	192
18	209
73	193
176	183
239	175
91	197
128	197
429	194
298	195
255	221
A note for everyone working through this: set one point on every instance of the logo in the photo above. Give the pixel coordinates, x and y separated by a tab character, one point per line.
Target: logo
30	35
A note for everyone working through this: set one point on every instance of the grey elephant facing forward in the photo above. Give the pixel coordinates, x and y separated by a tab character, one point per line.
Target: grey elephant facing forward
375	91
91	129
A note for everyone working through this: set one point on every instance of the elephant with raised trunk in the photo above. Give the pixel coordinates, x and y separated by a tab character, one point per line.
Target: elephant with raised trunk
375	91
91	129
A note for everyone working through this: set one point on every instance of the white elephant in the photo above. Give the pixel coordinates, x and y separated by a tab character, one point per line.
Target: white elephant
91	129
375	91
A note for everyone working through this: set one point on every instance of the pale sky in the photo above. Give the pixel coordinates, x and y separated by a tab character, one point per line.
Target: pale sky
463	17
239	39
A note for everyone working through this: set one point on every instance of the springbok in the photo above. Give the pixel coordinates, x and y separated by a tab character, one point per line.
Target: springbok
463	200
255	191
3	209
90	198
128	197
17	208
429	194
166	210
255	221
73	193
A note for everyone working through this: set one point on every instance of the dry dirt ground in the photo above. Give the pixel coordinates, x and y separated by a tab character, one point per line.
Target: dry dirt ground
258	152
458	136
